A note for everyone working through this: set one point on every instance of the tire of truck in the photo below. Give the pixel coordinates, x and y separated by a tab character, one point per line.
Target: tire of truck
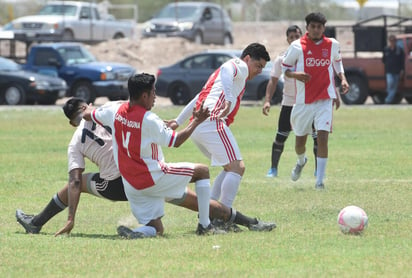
68	35
358	90
118	36
84	90
409	99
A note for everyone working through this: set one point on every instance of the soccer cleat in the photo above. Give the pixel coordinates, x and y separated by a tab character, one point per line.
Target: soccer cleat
209	230
298	170
272	173
25	221
226	226
319	186
127	233
262	226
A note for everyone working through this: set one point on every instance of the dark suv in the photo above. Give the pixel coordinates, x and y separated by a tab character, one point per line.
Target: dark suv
201	22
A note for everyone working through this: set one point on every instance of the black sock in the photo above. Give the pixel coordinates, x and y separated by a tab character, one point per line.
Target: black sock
53	207
244	220
277	150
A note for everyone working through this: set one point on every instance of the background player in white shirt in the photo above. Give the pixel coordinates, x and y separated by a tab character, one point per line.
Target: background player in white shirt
312	61
289	93
222	94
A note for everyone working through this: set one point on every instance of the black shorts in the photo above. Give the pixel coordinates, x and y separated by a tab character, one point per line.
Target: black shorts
109	189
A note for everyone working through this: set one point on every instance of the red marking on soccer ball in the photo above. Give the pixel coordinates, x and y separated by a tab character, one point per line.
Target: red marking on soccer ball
352	220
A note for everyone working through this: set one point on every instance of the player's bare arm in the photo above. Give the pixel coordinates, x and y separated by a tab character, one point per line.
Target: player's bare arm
198	117
344	83
74	190
301	76
270	90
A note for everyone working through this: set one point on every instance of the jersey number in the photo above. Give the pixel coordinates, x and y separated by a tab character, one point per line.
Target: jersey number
92	136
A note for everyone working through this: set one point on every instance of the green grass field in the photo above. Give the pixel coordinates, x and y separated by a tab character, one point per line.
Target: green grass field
369	166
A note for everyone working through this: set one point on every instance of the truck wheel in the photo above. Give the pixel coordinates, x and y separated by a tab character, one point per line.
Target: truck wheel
179	93
118	36
84	90
409	99
68	35
358	90
14	95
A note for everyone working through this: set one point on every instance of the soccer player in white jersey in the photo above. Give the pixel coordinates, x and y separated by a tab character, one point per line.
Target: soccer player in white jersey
289	93
222	94
312	61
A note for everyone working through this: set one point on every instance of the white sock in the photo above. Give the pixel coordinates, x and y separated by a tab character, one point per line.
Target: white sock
217	186
148	231
202	188
321	169
301	158
230	186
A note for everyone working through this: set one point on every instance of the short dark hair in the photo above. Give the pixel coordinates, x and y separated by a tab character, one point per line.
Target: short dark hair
139	84
72	106
256	51
293	28
315	17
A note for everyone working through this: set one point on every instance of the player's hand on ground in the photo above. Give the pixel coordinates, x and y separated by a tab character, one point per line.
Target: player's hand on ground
66	229
266	108
201	114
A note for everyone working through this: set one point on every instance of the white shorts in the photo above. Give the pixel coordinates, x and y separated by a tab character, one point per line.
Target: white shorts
319	113
216	141
148	204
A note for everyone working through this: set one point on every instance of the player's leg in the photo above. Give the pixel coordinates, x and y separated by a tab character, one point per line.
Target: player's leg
230	185
301	119
217	185
315	146
323	124
282	134
34	223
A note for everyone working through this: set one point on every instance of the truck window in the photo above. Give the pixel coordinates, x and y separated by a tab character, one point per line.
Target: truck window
96	14
85	13
42	57
58	10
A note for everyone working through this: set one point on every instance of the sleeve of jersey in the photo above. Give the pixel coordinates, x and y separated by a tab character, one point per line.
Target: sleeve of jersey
290	58
187	111
74	156
159	132
337	58
227	74
104	114
277	67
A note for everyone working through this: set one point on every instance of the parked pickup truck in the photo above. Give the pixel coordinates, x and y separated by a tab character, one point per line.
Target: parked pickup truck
86	77
366	73
70	21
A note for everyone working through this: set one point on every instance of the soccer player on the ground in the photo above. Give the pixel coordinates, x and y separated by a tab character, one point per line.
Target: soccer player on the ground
289	93
312	60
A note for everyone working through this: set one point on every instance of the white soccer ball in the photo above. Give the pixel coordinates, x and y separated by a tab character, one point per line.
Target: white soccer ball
352	220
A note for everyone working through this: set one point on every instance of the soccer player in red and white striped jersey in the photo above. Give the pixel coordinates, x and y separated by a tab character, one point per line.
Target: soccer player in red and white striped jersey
312	61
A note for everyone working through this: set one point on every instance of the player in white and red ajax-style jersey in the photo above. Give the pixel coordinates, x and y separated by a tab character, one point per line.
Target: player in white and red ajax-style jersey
138	135
312	61
222	94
